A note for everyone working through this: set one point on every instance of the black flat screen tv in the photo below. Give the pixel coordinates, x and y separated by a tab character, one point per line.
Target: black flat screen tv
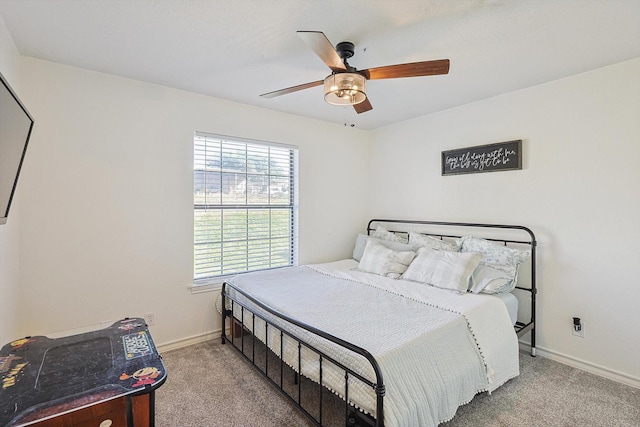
15	129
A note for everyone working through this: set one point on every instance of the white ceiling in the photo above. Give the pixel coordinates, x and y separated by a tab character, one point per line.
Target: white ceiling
239	49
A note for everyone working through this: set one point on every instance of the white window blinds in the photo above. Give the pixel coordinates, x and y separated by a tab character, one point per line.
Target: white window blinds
244	196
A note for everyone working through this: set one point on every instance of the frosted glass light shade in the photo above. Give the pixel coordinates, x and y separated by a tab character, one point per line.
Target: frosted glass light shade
345	89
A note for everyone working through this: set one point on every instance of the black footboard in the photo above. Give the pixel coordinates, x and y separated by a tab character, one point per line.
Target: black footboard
315	400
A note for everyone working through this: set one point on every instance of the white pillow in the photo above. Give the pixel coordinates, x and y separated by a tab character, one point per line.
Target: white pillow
421	240
377	259
384	234
497	256
361	242
443	269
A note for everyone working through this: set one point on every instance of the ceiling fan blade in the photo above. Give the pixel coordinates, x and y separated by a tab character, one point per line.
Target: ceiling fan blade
321	45
291	89
363	106
414	69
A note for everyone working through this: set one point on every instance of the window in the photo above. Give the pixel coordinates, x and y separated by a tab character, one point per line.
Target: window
244	199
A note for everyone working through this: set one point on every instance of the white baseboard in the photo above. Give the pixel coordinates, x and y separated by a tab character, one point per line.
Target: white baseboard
192	340
601	371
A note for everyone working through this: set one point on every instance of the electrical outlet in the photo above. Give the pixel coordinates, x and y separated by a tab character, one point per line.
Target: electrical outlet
578	330
149	318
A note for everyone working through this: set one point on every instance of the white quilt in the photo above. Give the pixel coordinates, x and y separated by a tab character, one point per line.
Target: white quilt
436	349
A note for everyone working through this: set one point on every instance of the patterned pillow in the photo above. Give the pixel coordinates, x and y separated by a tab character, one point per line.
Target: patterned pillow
384	234
490	281
443	269
377	259
421	240
498	257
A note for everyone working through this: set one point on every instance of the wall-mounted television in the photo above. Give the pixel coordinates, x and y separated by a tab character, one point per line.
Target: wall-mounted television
15	129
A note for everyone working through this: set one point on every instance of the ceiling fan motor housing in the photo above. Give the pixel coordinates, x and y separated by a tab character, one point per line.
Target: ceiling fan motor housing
345	49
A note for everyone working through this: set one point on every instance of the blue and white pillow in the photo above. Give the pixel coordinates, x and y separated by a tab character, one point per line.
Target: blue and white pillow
490	281
496	257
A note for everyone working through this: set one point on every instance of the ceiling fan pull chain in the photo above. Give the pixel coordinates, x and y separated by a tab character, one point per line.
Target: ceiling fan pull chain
344	109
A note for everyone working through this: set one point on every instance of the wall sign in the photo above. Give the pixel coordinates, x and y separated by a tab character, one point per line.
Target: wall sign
483	158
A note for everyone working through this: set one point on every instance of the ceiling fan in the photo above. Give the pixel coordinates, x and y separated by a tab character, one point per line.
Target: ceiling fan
346	85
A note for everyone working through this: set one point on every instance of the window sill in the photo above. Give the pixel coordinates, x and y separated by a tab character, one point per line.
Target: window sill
215	284
208	287
212	284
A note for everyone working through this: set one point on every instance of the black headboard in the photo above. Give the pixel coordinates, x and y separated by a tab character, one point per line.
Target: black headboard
501	233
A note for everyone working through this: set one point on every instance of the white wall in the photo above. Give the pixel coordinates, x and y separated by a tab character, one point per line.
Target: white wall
107	205
579	191
9	232
106	217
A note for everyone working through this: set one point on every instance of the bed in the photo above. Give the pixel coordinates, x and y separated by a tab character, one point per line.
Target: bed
416	324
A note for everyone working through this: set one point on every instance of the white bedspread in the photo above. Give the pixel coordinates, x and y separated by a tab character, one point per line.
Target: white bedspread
436	349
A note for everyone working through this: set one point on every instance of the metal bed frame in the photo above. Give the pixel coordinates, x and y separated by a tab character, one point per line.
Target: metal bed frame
243	338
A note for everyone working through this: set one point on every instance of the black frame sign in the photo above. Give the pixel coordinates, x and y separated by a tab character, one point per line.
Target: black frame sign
502	156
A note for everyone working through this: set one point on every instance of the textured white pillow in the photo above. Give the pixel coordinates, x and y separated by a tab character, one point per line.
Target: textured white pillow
443	269
498	257
361	242
384	234
384	261
422	240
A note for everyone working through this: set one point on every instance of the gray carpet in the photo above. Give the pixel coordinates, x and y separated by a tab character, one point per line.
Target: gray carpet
204	380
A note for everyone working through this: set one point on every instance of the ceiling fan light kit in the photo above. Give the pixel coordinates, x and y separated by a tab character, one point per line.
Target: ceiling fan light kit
345	89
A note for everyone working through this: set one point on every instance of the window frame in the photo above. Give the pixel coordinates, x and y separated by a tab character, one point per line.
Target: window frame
212	282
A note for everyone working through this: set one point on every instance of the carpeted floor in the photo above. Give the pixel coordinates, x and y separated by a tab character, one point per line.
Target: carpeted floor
209	384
